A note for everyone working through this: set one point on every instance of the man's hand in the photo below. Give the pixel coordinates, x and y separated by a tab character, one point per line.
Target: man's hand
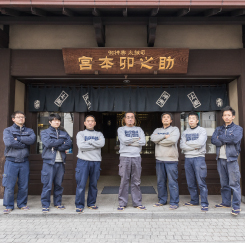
167	136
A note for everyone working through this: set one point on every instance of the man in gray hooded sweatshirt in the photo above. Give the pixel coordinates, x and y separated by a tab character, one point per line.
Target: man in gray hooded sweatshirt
167	156
131	139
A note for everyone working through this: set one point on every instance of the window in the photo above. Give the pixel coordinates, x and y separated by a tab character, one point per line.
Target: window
43	123
208	121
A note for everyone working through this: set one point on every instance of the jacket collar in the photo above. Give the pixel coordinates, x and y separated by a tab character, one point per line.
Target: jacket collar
229	126
17	127
53	129
166	127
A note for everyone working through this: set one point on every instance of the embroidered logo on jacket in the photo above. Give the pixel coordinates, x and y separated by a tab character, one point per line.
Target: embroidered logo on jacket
192	136
132	134
91	137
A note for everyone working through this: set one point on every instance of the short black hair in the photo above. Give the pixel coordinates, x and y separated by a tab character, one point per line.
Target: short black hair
228	108
167	113
129	112
54	116
17	112
89	116
193	113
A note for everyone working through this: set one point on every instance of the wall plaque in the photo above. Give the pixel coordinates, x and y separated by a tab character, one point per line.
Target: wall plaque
125	60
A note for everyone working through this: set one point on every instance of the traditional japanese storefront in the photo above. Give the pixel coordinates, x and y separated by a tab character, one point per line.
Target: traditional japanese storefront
106	82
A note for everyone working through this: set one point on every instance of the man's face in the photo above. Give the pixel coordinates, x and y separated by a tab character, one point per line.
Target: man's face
90	123
55	123
130	119
193	121
166	120
19	119
228	117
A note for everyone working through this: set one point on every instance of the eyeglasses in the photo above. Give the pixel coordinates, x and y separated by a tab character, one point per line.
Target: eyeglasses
20	117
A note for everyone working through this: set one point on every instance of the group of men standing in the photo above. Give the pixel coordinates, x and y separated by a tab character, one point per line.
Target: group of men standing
56	141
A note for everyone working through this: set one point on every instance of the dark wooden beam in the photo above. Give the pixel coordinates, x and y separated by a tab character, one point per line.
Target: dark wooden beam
243	35
238	12
51	20
212	12
10	12
4	39
38	12
96	12
67	12
154	12
125	12
151	32
99	31
182	12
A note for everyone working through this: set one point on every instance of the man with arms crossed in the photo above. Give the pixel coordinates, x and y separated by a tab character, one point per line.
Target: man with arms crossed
193	143
227	139
17	140
55	143
166	152
131	139
89	143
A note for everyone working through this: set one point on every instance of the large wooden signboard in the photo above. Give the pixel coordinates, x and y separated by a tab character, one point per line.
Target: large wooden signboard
125	60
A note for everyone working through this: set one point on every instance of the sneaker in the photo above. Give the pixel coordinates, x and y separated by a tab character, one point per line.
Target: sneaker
235	211
173	207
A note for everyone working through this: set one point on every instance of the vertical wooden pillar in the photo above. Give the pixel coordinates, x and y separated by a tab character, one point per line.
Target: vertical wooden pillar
241	108
7	94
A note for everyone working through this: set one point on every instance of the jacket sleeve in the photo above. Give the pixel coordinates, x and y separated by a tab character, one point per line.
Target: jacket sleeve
172	139
9	140
49	142
30	139
198	143
232	138
98	143
82	144
66	145
214	139
155	138
123	139
141	141
183	144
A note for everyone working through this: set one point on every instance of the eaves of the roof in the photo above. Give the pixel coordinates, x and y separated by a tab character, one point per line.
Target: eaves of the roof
126	3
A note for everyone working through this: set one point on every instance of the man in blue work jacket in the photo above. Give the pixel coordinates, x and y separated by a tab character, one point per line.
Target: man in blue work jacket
227	139
55	143
17	140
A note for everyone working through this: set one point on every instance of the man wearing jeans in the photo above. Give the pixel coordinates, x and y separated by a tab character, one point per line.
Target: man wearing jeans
17	140
89	143
193	143
166	152
131	139
227	139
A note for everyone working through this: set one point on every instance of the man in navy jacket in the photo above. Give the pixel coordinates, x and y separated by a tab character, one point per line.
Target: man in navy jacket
55	143
227	139
17	140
